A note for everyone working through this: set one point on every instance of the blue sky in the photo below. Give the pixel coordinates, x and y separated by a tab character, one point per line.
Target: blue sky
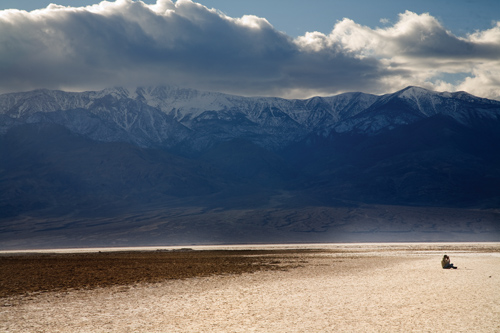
295	17
286	48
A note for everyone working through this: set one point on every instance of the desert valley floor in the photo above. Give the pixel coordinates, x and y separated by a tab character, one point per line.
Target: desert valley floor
275	288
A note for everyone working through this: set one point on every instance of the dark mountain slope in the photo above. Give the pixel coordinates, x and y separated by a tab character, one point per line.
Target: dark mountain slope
435	161
46	167
243	161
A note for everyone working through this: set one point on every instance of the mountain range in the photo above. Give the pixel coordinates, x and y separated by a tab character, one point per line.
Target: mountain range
169	165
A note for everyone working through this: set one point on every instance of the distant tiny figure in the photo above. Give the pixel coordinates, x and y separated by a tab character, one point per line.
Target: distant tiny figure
446	263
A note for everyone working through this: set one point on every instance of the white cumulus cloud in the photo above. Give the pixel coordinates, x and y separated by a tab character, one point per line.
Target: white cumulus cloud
184	43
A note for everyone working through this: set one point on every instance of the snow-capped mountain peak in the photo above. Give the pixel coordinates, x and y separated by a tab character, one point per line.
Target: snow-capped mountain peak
169	115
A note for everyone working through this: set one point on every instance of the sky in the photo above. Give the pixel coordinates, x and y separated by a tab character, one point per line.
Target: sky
284	48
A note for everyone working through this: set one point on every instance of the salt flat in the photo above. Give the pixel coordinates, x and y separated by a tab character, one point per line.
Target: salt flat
346	287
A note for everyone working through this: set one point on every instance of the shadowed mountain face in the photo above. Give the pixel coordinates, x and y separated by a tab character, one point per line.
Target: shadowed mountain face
175	166
431	162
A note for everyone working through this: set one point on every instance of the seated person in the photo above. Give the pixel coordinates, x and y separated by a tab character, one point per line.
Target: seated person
446	263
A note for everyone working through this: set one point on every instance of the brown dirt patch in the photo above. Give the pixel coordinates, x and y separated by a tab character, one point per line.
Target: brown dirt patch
23	274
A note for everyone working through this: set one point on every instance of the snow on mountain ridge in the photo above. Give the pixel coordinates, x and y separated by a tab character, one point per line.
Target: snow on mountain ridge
183	104
147	115
186	104
413	103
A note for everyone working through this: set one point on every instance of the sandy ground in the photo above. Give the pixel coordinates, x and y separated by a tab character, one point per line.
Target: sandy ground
344	289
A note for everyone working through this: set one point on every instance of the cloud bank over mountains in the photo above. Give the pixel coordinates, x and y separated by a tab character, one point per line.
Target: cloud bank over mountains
130	43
